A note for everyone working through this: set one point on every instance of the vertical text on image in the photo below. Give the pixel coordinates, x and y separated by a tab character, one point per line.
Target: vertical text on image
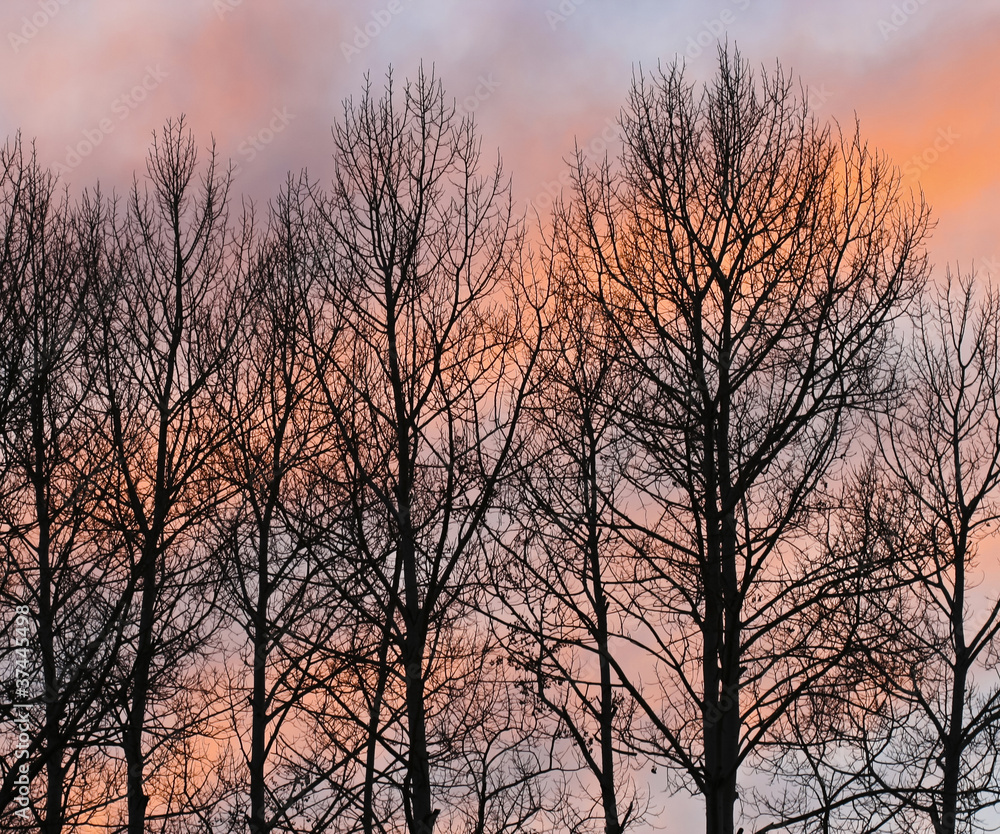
21	710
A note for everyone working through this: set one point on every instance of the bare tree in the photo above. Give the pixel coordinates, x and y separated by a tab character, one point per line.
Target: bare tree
167	315
425	391
751	262
13	264
832	736
281	533
941	447
43	304
362	529
918	750
561	575
57	564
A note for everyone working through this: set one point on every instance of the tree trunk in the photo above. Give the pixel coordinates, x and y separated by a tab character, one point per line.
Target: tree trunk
609	798
39	474
418	777
953	741
258	697
721	658
947	815
418	774
132	743
54	770
368	807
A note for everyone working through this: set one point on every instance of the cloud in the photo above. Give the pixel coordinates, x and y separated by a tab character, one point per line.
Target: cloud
559	70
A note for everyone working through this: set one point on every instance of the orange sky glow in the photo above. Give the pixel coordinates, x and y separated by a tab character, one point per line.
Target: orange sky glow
90	80
266	81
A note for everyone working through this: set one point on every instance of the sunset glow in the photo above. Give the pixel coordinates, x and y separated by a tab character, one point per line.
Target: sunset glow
290	330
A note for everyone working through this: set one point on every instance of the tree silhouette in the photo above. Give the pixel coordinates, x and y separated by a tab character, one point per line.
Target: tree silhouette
425	390
279	535
166	319
563	575
375	520
751	262
941	448
57	566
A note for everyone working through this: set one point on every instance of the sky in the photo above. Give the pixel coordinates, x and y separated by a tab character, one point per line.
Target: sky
91	80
